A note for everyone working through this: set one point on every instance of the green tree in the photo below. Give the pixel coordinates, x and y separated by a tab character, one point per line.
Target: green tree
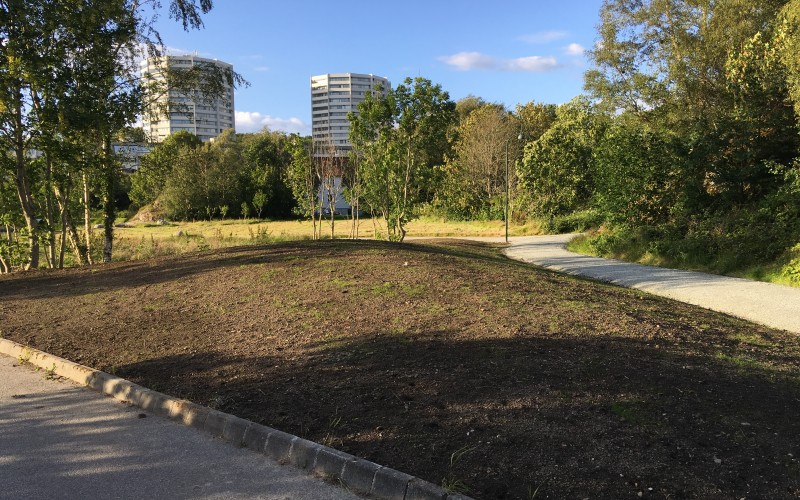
401	138
557	169
535	119
636	174
131	134
68	80
56	53
29	48
701	155
671	54
788	43
762	128
267	158
475	176
259	200
300	177
466	105
204	179
156	166
669	63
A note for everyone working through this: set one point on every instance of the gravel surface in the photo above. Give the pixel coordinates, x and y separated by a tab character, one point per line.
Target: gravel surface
59	440
776	306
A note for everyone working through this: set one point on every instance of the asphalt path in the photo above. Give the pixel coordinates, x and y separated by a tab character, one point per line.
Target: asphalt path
59	440
776	306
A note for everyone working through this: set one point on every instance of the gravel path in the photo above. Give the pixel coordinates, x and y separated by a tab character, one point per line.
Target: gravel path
768	304
59	440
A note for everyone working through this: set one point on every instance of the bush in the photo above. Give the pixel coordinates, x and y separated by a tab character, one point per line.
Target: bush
575	222
723	242
791	269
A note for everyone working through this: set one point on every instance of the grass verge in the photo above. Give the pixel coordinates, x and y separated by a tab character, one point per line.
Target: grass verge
785	270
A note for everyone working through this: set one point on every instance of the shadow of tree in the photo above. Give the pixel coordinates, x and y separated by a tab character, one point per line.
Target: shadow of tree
69	442
508	379
571	417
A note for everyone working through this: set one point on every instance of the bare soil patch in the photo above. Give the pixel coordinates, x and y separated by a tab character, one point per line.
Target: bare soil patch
444	360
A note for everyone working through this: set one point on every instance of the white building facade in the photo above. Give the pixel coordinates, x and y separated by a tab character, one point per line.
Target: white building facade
130	155
185	110
333	96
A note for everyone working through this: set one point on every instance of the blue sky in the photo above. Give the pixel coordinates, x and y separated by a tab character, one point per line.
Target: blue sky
504	51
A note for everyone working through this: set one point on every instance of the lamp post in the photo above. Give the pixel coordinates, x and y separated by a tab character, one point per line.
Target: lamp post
519	138
505	217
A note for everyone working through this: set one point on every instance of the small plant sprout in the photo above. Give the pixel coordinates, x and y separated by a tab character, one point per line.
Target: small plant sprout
450	482
24	356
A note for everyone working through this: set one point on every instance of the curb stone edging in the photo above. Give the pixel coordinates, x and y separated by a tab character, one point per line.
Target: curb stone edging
356	474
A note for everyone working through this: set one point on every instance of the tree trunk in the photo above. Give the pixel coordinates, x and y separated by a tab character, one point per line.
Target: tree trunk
401	216
402	229
109	205
24	184
332	203
87	219
63	243
28	211
69	225
51	223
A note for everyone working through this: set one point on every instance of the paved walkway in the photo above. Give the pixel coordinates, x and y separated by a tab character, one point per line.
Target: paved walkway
772	305
59	440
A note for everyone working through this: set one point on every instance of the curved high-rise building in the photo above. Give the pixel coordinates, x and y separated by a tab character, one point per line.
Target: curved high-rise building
176	110
333	96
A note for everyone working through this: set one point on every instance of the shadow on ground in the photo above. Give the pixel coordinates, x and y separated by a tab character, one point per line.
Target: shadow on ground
70	444
564	417
444	360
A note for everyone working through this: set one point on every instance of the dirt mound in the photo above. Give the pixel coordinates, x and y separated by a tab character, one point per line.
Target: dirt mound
149	213
446	361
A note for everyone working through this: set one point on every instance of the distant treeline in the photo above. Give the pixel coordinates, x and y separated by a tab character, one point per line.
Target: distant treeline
684	147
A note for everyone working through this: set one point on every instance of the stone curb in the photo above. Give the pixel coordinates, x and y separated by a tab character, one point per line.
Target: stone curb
356	474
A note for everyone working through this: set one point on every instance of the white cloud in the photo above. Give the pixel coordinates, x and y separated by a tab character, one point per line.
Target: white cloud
544	37
532	64
574	49
466	61
253	121
469	60
174	51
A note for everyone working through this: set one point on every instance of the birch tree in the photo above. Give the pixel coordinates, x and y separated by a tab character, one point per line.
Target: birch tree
401	138
68	70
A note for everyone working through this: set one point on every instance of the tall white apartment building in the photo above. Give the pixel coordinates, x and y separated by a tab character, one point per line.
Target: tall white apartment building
185	110
333	96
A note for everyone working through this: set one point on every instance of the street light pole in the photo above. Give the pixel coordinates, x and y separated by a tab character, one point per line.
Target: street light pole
506	209
519	138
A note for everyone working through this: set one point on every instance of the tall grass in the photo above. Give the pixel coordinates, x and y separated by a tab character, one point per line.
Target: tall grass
144	241
180	240
710	253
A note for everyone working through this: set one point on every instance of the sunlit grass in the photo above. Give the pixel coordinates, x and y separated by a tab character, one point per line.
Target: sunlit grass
142	241
343	228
